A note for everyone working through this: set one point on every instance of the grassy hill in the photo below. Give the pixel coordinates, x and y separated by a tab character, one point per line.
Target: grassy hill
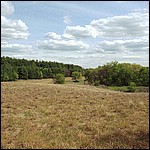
40	114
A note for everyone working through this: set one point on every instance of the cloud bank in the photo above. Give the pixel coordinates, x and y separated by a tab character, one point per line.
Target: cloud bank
121	38
12	30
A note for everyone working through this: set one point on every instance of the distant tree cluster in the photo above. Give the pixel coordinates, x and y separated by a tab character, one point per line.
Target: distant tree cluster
118	74
110	74
13	69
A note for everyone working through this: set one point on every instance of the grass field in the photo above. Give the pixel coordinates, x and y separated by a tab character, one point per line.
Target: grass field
40	114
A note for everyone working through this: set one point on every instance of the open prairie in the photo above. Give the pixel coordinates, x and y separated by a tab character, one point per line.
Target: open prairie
40	114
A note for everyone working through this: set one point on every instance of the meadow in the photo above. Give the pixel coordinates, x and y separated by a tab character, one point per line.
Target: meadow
41	114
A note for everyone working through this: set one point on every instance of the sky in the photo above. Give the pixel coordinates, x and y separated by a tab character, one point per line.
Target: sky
84	33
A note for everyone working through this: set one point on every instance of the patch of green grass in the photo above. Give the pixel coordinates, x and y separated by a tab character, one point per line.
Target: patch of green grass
118	88
126	88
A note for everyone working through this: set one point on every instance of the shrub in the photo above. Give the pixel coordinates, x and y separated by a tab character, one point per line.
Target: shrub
97	83
131	87
60	79
76	76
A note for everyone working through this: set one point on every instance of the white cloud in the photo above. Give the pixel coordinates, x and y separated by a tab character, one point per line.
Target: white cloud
68	36
17	50
13	29
122	38
115	46
16	47
132	57
13	24
135	24
62	45
81	32
7	8
67	19
53	35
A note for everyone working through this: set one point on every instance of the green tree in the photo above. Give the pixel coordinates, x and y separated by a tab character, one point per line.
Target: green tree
14	76
40	74
45	73
30	72
117	74
34	68
23	72
7	72
143	77
4	76
59	78
76	76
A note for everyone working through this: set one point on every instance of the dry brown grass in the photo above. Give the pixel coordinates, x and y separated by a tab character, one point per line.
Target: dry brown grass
40	114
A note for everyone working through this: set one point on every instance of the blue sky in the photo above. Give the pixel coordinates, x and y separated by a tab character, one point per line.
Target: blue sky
86	33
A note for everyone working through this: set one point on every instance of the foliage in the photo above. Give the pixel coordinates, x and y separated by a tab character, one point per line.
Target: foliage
132	87
14	76
8	73
60	79
13	69
115	74
96	83
110	74
23	73
76	76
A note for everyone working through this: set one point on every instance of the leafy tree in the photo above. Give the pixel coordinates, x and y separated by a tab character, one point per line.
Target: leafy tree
14	76
76	76
117	74
144	76
60	79
7	72
35	69
40	74
30	72
50	73
45	73
23	72
4	76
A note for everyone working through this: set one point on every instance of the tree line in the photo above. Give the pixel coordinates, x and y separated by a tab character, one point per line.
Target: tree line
110	74
13	69
118	74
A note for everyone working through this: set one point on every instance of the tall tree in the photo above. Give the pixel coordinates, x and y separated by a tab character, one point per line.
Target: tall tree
23	72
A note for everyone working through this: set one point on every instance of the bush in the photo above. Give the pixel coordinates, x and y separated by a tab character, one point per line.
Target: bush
131	87
60	79
97	83
76	76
